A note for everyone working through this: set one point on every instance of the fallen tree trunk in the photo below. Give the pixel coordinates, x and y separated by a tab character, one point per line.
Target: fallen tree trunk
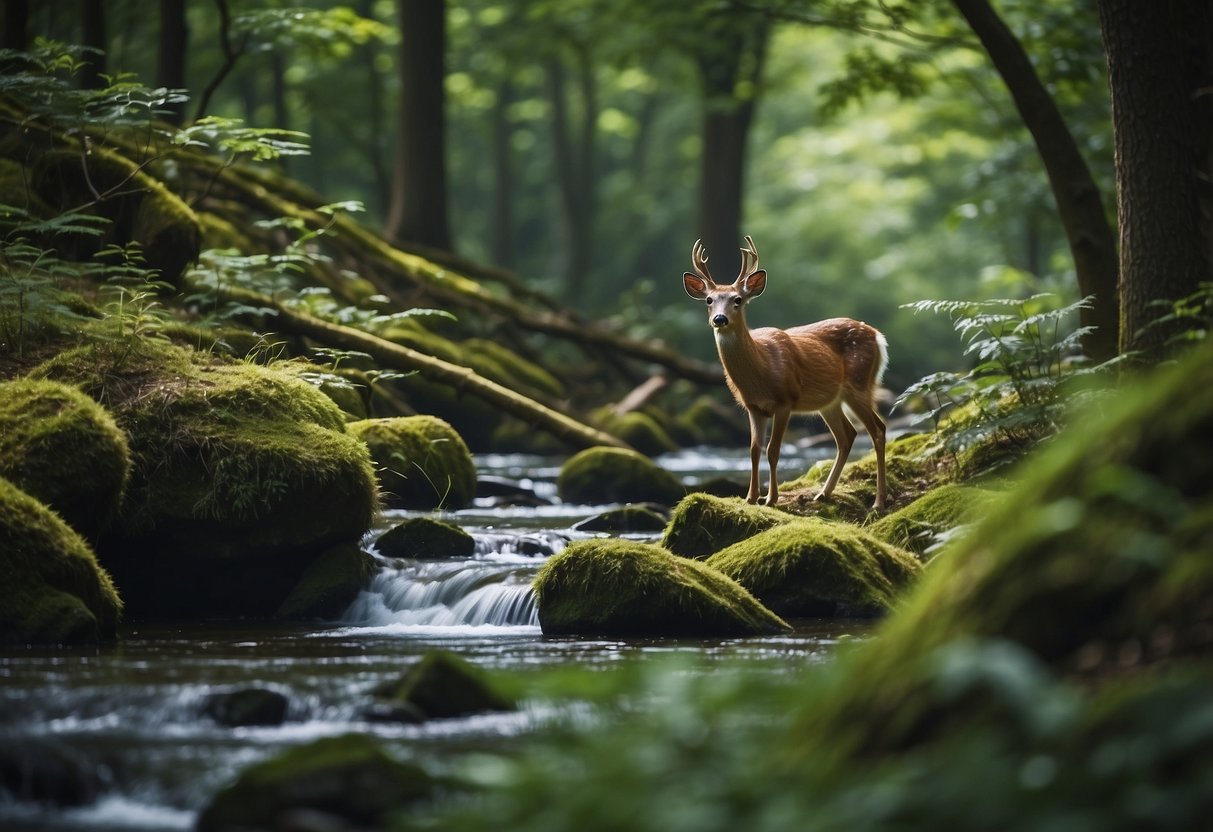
462	379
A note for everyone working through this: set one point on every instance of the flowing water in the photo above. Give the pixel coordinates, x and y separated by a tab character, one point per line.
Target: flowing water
131	717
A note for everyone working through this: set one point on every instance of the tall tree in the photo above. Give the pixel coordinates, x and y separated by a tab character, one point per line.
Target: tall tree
730	59
1092	241
575	146
92	35
15	32
418	209
170	60
1160	71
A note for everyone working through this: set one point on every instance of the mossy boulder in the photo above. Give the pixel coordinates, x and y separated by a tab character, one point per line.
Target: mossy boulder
422	462
337	782
623	520
329	584
1096	562
241	476
613	475
919	526
425	538
60	446
637	428
812	568
702	524
621	587
139	207
52	591
439	686
243	707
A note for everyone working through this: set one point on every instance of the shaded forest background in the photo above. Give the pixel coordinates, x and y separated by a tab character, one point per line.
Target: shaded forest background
876	159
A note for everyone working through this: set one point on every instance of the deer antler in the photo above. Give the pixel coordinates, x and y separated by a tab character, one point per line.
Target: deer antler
749	259
699	261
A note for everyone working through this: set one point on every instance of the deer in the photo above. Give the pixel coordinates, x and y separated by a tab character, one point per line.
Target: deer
826	368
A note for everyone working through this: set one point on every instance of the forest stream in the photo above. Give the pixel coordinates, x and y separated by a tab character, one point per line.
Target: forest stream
133	713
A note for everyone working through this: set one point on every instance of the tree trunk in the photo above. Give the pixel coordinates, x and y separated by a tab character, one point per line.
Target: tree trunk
728	112
418	210
15	32
575	150
92	29
170	61
1079	205
501	221
1158	71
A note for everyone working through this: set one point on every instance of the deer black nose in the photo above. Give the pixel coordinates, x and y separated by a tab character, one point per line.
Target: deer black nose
720	320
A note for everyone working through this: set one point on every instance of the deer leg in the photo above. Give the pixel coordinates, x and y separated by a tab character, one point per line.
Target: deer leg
844	437
876	429
758	426
778	426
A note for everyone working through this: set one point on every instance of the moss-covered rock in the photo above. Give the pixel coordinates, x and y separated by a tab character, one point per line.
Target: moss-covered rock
64	449
336	782
423	463
52	591
640	430
919	526
620	587
439	686
329	584
614	475
139	207
425	538
241	475
702	524
1095	562
813	568
623	520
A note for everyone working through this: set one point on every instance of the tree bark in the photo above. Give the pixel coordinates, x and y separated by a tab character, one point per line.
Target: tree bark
501	222
418	210
170	60
735	57
575	161
1092	242
1159	63
92	23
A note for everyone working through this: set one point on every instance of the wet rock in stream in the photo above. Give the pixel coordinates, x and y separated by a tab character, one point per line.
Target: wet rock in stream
246	706
440	686
425	538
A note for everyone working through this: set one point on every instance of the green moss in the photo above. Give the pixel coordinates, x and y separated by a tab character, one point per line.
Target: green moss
702	524
233	465
613	475
140	208
64	449
427	539
638	429
919	525
423	463
442	686
347	780
53	590
330	583
709	422
620	587
1097	561
813	568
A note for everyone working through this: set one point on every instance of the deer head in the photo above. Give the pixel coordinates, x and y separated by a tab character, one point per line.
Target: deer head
725	303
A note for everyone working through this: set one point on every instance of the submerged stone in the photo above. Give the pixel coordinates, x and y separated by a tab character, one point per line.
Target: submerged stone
53	591
422	462
336	782
439	686
621	587
813	568
614	475
425	538
246	706
623	520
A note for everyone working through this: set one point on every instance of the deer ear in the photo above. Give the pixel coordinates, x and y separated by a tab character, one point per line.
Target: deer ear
754	285
695	285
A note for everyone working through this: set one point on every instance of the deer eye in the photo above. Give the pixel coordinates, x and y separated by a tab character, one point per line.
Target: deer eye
737	301
709	301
